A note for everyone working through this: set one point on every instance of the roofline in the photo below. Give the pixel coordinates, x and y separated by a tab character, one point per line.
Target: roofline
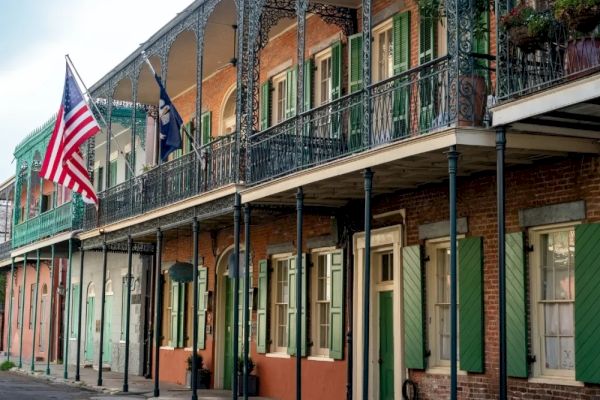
8	182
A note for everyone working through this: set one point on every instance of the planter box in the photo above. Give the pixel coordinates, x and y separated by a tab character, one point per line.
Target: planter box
252	385
202	380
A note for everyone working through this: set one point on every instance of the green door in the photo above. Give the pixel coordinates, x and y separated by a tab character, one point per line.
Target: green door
227	376
107	345
386	346
89	330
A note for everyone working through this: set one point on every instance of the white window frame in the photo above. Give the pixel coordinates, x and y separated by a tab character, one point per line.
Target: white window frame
316	350
537	316
273	306
386	26
319	58
279	97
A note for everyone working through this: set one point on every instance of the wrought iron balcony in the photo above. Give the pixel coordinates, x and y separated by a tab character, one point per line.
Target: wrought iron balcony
168	183
413	103
63	218
541	64
5	248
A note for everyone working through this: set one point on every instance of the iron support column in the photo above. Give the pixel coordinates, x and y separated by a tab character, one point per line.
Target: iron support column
236	292
349	313
22	311
247	278
452	166
79	315
128	313
368	175
500	148
158	310
35	309
51	316
10	307
67	312
366	72
299	266
195	233
301	6
102	306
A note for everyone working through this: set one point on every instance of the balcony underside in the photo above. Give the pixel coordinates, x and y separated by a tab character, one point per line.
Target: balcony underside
408	165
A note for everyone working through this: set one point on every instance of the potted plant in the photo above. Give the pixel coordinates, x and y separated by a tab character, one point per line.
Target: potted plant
527	28
202	374
581	17
252	379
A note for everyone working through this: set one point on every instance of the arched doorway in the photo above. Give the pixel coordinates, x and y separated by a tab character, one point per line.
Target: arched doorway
228	112
223	323
89	324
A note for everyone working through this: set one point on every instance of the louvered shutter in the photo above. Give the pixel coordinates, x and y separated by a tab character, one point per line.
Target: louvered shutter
292	307
262	307
206	127
173	339
291	85
336	308
336	70
265	105
202	290
427	85
414	322
516	306
356	83
401	58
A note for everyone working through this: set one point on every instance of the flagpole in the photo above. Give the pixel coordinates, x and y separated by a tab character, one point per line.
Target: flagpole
188	134
93	101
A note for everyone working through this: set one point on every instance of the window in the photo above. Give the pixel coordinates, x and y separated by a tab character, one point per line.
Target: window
553	293
387	267
324	77
438	291
280	304
19	308
174	305
123	307
280	98
74	310
128	161
112	177
322	304
99	179
31	296
383	60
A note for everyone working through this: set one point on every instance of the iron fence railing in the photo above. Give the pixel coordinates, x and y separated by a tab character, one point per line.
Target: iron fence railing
413	103
167	183
60	219
564	56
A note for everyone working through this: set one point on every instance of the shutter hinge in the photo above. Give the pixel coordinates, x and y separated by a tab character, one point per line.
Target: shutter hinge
428	353
529	248
531	359
426	259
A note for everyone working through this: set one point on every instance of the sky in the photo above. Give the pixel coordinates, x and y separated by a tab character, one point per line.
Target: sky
36	35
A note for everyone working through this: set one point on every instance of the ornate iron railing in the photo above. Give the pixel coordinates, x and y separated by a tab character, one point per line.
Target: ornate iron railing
61	219
413	103
5	248
562	58
168	183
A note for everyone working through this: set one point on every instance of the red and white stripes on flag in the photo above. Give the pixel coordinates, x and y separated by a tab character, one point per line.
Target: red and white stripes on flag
75	123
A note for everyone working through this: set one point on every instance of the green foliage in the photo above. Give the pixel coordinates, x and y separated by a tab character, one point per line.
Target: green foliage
7	365
578	15
574	5
538	23
436	8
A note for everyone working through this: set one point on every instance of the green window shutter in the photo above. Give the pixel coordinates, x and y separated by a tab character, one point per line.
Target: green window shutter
265	105
414	322
427	87
336	308
401	42
308	83
401	57
427	39
75	311
187	148
206	127
292	307
113	173
181	316
291	85
262	306
587	298
481	42
516	306
202	289
355	62
336	70
174	314
470	292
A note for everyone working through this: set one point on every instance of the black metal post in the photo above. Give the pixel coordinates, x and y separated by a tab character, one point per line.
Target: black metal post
35	309
195	230
10	307
51	313
236	292
128	313
67	319
104	267
500	148
299	221
23	311
368	175
247	277
79	316
158	311
349	313
452	165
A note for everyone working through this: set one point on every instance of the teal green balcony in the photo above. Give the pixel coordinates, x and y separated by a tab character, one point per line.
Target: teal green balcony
61	219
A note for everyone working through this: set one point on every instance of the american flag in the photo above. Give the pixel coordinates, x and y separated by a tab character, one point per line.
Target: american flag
75	123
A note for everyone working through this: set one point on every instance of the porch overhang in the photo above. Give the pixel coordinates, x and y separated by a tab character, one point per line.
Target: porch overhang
60	239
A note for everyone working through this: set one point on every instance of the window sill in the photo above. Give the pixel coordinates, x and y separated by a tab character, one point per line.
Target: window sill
443	371
551	380
277	355
320	358
166	348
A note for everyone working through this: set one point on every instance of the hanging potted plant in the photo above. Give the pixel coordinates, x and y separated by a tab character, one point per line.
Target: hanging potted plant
202	374
581	17
527	28
252	379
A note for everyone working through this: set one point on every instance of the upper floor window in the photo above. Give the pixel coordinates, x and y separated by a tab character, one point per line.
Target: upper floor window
383	58
280	305
280	97
323	75
321	304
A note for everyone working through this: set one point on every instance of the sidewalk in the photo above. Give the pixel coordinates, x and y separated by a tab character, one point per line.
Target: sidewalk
112	382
